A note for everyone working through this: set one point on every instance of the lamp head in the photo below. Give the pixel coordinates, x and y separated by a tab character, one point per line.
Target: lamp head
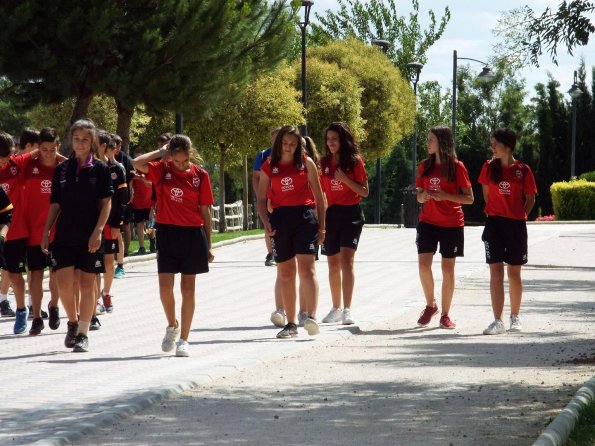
384	44
486	74
575	91
415	66
307	4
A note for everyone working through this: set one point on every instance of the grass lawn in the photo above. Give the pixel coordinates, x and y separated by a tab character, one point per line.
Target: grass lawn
584	431
216	237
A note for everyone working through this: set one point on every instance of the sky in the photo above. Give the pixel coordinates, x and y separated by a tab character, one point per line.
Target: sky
469	31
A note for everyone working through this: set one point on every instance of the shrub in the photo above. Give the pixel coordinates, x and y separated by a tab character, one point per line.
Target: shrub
574	200
589	176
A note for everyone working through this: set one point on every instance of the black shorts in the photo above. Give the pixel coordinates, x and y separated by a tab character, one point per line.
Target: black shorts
15	254
296	232
127	214
36	258
452	240
110	246
140	215
505	240
182	249
64	256
343	228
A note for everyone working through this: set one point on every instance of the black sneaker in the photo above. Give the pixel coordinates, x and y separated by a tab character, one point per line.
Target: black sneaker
81	343
69	341
289	331
5	310
269	261
36	326
152	245
95	324
44	315
141	251
54	317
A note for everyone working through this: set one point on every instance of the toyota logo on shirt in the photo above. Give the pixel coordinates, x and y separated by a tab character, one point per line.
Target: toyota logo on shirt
177	192
46	186
286	184
434	184
504	187
336	184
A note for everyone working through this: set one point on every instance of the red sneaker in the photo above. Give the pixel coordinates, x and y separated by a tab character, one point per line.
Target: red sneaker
445	322
107	302
426	315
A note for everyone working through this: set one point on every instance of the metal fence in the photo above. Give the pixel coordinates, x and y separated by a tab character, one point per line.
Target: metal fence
234	216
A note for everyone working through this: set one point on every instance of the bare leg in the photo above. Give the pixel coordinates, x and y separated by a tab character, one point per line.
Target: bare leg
108	276
166	293
88	287
278	293
286	272
66	283
334	278
140	233
347	275
54	294
497	289
36	290
18	286
515	288
306	269
187	287
426	276
448	283
127	234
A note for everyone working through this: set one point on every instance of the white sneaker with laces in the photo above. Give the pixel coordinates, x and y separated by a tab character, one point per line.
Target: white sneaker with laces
335	315
311	326
495	328
515	323
347	317
171	334
278	318
302	316
182	348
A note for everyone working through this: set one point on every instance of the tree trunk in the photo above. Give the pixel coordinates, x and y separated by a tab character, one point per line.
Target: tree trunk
124	121
222	222
245	186
81	107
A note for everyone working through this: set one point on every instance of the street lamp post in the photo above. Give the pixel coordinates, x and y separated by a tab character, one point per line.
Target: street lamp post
486	75
307	4
384	45
574	92
416	70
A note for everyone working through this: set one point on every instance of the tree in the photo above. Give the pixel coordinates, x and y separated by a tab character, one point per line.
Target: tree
167	54
388	104
526	36
240	125
379	19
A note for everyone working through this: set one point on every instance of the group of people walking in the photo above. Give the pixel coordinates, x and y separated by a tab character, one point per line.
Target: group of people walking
66	213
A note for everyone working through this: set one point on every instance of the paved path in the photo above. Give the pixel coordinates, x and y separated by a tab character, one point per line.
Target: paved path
239	366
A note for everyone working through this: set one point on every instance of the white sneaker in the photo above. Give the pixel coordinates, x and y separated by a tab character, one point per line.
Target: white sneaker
311	326
302	316
335	315
99	309
171	334
182	348
515	323
347	317
278	318
495	328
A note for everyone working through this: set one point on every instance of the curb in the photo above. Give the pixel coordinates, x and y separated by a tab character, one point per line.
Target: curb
559	430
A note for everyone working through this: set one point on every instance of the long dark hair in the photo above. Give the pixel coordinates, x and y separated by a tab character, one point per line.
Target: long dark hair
448	157
311	150
349	150
298	155
182	143
507	137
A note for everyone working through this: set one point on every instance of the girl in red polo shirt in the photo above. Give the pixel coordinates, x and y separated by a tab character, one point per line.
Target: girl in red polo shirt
289	179
509	192
344	183
442	186
184	199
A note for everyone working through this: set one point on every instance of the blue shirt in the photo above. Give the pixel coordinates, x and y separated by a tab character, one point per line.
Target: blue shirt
261	157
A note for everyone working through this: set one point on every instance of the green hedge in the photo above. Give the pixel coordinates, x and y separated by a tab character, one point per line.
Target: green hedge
574	200
589	176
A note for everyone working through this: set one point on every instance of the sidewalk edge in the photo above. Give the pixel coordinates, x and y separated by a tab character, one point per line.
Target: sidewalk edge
559	430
